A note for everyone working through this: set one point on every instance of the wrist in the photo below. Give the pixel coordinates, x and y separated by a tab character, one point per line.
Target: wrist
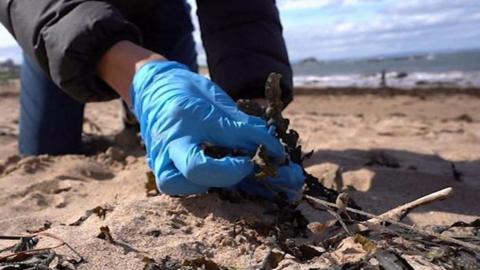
149	71
119	64
150	59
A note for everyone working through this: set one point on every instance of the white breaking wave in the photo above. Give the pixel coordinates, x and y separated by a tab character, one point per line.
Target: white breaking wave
394	79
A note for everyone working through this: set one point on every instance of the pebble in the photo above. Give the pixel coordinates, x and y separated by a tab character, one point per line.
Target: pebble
115	154
130	160
154	233
187	230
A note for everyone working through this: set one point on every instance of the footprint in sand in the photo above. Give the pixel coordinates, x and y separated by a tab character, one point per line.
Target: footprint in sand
82	170
10	162
44	194
37	201
29	165
53	180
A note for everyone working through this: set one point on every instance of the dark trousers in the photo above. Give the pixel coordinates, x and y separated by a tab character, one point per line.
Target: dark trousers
51	121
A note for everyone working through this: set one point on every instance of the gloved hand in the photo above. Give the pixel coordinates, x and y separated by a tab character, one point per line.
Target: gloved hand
179	110
289	180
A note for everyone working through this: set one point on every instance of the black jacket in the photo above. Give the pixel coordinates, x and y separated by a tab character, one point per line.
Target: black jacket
242	38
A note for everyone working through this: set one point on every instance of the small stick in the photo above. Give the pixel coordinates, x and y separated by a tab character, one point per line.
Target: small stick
340	220
267	260
31	251
7	237
326	204
63	243
401	211
81	259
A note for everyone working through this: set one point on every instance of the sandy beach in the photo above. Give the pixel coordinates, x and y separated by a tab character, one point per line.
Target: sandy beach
390	149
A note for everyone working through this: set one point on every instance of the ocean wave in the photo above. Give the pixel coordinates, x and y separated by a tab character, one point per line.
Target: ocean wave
462	79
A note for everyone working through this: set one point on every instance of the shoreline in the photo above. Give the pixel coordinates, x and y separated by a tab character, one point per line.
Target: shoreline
11	88
386	91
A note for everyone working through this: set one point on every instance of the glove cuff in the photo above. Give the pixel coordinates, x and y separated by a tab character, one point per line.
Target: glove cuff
146	75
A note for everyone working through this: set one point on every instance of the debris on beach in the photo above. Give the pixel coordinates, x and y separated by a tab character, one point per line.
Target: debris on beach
325	229
100	211
382	241
151	185
25	254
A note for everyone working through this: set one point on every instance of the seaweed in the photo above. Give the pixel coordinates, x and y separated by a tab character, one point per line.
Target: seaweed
457	175
290	222
265	165
26	243
106	235
382	159
272	260
151	185
251	107
190	264
100	211
25	255
390	260
290	139
216	151
267	168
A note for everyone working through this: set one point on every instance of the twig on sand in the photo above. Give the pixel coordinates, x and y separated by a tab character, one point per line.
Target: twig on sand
34	251
9	237
382	220
271	260
401	211
340	220
25	253
81	259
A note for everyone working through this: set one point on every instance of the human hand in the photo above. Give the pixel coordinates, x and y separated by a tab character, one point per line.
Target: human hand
178	111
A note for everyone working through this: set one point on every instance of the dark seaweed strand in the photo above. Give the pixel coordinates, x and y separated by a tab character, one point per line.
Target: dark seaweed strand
290	137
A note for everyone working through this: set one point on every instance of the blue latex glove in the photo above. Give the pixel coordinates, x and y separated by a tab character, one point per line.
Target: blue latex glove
290	180
178	110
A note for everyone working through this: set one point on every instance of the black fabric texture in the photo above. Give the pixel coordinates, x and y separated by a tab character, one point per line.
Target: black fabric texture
67	39
4	14
242	38
244	43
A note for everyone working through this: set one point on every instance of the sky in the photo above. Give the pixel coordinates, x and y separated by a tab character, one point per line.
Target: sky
337	29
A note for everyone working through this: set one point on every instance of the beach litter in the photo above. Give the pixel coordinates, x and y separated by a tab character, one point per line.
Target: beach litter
351	239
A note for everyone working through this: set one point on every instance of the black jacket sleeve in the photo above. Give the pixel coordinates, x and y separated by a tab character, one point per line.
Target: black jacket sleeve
67	39
244	43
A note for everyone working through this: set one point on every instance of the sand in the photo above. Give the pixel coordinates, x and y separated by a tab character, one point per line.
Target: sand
417	137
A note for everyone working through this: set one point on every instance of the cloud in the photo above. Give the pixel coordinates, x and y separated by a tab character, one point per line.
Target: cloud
355	28
287	5
430	6
385	27
306	4
6	40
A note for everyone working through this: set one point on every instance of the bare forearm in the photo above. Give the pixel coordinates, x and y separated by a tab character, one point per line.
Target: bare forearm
120	63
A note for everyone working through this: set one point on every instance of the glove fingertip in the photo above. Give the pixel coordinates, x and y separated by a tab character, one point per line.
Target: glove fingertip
272	130
256	121
276	149
223	172
241	167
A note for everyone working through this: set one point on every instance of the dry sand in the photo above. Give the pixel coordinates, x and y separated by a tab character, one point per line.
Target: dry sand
422	135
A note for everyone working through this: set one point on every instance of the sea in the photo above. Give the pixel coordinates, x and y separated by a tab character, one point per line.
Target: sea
442	69
433	69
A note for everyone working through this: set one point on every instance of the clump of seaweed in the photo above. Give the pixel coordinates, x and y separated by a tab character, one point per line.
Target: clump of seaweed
290	222
290	139
267	167
350	222
25	254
